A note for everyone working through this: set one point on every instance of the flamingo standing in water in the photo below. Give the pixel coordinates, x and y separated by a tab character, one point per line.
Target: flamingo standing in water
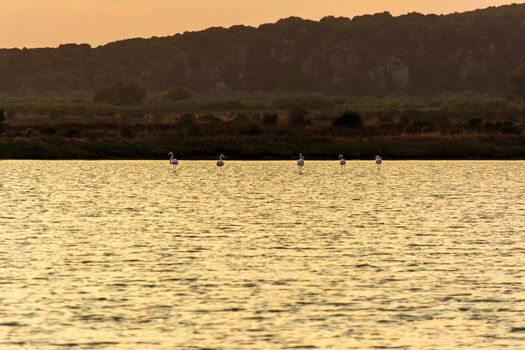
220	162
300	163
378	162
173	161
342	162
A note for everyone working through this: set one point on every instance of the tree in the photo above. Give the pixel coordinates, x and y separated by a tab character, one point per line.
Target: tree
178	93
121	94
299	117
270	118
348	119
517	80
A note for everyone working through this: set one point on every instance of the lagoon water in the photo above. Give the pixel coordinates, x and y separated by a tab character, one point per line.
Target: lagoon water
136	255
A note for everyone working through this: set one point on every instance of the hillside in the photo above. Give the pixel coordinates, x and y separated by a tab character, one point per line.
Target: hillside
367	55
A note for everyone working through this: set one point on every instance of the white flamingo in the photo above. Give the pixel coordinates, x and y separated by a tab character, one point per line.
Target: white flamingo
378	163
342	162
173	161
300	163
220	162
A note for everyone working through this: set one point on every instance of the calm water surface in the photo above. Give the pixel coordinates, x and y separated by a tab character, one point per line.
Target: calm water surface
135	255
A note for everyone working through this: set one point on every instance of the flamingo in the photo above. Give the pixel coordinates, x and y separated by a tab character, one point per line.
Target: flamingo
342	162
378	163
220	162
300	163
173	161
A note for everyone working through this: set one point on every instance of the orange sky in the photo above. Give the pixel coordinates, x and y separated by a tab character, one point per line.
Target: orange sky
38	23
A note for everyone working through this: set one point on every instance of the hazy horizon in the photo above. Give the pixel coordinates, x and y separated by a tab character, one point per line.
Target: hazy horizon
74	21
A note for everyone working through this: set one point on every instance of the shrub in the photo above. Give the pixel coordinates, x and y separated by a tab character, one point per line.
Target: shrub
311	101
10	113
339	101
270	118
420	126
48	130
348	119
474	123
72	132
492	126
178	94
55	113
195	129
126	132
240	118
209	118
253	130
132	113
510	128
121	94
187	119
324	117
299	117
256	117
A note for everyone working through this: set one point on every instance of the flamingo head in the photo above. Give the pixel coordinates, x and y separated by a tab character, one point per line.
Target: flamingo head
301	156
170	154
221	157
340	156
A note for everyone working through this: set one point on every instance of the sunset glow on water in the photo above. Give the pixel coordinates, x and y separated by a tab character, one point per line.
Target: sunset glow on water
135	254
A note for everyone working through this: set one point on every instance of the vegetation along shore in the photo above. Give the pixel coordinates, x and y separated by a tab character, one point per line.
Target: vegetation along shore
456	127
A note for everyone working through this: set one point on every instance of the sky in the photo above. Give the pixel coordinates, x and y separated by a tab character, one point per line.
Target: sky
48	23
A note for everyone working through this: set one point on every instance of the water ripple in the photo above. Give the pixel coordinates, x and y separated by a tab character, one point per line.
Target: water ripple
133	254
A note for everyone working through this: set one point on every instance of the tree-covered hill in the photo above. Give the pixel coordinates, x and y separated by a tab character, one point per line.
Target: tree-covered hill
367	55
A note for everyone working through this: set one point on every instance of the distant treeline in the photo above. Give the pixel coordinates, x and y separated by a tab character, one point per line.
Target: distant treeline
370	55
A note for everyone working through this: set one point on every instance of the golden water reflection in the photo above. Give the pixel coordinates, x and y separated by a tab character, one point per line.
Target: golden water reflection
137	255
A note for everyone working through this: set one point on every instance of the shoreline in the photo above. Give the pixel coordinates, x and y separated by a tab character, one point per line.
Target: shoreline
257	160
268	148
